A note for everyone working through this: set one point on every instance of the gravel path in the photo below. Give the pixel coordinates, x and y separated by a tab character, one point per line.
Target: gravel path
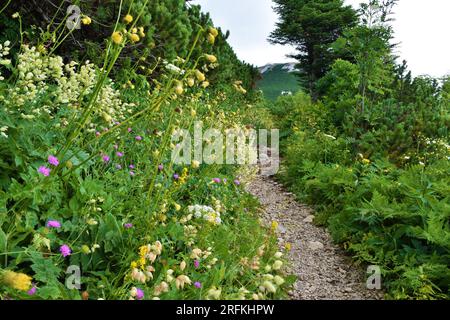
322	269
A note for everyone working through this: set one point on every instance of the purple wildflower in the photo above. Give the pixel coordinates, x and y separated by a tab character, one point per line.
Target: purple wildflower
44	170
53	160
216	180
224	180
119	154
32	291
237	182
53	224
97	133
131	166
129	129
197	284
196	263
160	167
132	173
138	138
176	176
118	166
65	250
116	147
139	294
105	158
128	225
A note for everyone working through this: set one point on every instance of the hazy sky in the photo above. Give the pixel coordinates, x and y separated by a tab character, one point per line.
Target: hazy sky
421	27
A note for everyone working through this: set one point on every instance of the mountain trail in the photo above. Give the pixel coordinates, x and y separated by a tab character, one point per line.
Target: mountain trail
323	270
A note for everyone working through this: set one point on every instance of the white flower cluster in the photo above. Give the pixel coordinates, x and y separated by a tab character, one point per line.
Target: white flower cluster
4	51
205	212
3	131
37	71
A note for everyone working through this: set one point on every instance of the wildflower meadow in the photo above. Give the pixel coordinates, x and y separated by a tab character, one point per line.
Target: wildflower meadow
92	205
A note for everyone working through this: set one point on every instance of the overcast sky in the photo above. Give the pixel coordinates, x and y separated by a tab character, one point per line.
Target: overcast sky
421	27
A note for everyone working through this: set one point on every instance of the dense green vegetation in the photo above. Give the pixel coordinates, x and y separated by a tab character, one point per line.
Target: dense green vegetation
87	179
372	156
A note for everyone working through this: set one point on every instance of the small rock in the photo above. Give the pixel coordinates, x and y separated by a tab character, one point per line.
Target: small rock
315	245
281	229
348	289
309	219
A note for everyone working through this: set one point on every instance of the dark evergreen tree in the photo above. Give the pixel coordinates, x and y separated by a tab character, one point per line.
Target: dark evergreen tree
311	26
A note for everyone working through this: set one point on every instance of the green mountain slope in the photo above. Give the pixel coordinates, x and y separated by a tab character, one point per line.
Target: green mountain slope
278	79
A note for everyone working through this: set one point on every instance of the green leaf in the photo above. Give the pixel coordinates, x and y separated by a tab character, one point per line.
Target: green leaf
45	270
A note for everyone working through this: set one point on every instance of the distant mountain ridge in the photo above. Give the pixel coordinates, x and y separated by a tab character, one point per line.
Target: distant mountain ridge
278	79
289	67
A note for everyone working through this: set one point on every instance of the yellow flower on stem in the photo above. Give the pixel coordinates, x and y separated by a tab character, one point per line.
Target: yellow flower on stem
117	37
86	20
211	58
134	38
211	38
200	76
213	31
128	19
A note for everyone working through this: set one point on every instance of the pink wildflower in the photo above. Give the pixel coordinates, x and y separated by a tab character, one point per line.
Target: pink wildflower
53	224
65	250
53	160
44	170
139	294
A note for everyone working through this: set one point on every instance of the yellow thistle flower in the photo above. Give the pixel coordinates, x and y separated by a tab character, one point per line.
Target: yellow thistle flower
177	207
134	37
133	265
190	82
141	32
193	113
205	84
200	76
128	19
211	58
213	31
117	37
19	281
179	89
288	246
143	250
86	20
366	161
211	38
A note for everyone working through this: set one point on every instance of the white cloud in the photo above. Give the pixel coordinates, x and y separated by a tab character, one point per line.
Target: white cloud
421	27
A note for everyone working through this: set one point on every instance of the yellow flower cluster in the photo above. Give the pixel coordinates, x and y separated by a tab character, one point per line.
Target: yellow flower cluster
140	271
134	34
19	281
238	86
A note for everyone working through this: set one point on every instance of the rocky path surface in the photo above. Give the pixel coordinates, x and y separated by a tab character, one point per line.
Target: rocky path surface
322	269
